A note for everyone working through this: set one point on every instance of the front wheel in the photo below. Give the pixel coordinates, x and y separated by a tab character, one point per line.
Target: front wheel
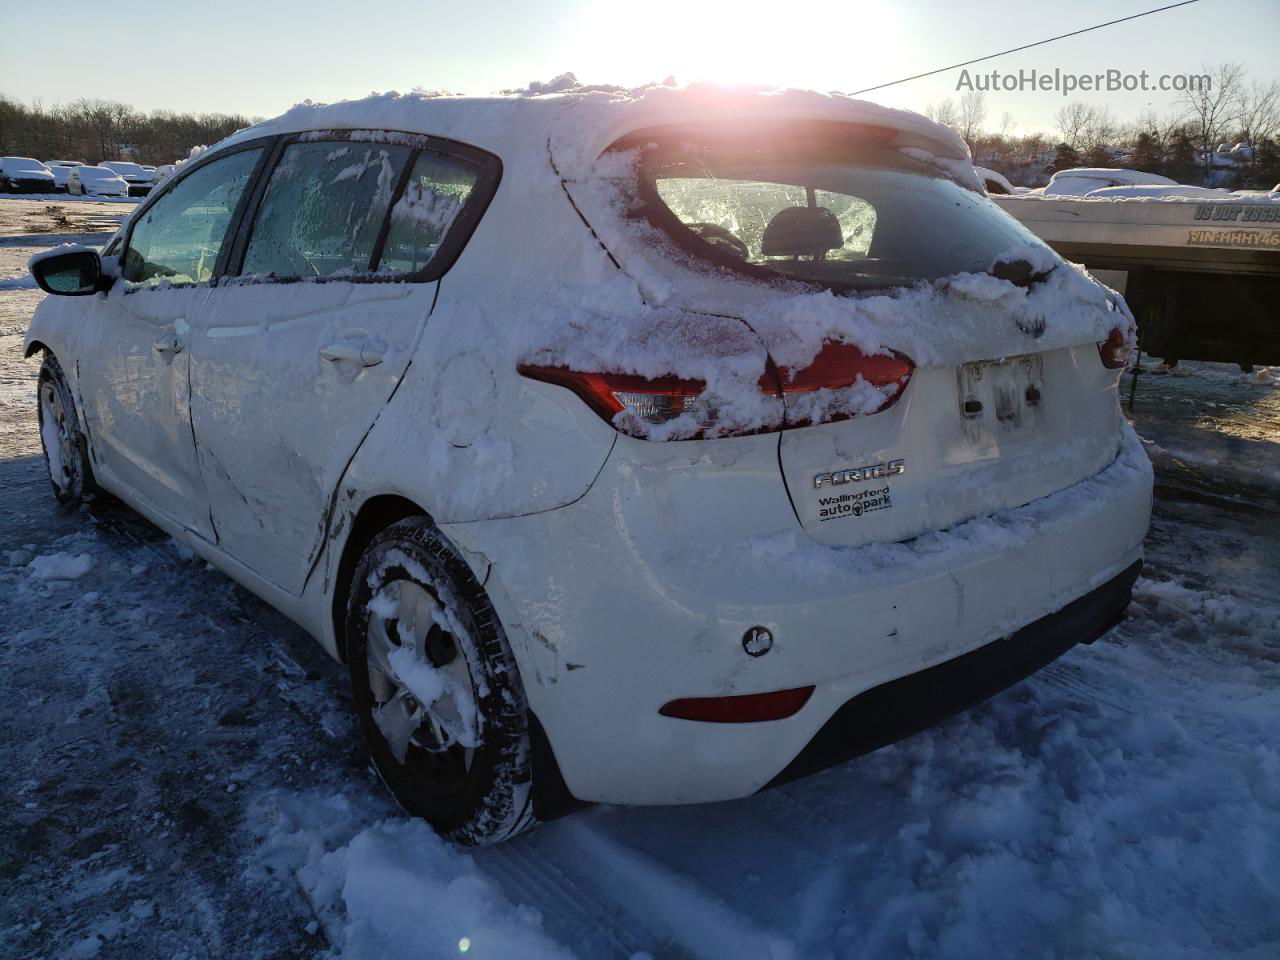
65	448
436	687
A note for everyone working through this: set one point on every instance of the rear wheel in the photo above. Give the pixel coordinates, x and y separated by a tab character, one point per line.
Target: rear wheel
436	687
65	447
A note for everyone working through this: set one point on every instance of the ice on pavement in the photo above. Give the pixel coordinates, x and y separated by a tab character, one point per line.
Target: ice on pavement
60	566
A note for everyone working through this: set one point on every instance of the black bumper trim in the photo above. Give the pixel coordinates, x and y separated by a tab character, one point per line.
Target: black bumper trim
894	710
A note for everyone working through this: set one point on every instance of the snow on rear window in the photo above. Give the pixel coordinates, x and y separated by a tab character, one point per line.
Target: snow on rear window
843	215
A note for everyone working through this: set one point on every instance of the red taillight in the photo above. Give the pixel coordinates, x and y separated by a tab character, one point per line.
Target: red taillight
655	400
608	394
1114	350
882	377
750	708
857	383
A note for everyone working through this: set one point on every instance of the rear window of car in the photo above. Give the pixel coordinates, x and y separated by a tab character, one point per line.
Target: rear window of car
840	211
381	211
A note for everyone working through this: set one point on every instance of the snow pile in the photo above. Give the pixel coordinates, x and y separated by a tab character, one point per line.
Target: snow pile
1227	373
60	566
961	171
25	282
58	251
581	120
392	890
569	83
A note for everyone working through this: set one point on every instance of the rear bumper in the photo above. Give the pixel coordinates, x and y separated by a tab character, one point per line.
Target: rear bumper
891	711
640	593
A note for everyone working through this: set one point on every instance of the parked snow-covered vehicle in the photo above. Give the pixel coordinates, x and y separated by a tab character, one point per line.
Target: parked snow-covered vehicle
61	170
139	179
96	182
1079	181
1198	267
24	175
995	182
642	449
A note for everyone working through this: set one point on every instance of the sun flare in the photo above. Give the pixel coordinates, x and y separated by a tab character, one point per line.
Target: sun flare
826	46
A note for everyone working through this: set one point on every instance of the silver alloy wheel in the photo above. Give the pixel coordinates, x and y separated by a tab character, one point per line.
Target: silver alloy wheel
59	443
451	720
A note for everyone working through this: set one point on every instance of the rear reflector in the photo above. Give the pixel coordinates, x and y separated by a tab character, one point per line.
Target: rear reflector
751	708
1114	350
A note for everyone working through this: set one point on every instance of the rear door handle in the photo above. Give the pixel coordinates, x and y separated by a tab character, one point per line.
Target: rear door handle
366	352
167	347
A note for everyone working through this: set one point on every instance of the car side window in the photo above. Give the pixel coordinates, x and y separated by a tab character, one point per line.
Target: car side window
435	193
179	236
324	208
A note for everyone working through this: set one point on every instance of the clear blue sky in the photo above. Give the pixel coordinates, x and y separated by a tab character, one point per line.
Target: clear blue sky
260	57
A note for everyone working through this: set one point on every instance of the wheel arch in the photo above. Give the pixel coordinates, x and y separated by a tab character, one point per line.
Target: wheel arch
374	515
551	797
33	347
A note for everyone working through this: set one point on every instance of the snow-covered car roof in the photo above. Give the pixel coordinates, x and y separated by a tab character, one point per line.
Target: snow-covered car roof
21	163
579	126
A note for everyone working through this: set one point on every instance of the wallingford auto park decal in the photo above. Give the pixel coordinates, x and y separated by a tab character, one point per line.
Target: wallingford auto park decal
857	504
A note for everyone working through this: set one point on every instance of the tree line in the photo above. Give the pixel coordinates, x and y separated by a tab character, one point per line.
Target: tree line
1182	144
97	130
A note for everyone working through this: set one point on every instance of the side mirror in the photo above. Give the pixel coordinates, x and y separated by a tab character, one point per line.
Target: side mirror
69	271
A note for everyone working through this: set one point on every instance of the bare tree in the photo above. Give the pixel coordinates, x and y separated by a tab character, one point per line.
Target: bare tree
1259	119
105	130
1099	134
1072	121
973	111
944	112
1213	107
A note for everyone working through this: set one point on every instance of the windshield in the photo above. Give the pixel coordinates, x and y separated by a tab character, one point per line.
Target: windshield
97	173
844	214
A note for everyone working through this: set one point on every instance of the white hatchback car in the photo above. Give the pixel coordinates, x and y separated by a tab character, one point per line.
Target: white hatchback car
644	449
93	181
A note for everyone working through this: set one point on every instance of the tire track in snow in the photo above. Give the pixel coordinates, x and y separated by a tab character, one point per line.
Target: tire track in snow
689	914
573	912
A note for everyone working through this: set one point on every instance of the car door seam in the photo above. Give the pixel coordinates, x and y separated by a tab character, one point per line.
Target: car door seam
337	485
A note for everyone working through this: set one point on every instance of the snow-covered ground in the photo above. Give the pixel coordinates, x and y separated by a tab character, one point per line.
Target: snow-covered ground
182	776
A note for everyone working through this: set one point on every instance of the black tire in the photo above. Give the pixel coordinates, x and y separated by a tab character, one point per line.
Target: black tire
481	799
70	473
